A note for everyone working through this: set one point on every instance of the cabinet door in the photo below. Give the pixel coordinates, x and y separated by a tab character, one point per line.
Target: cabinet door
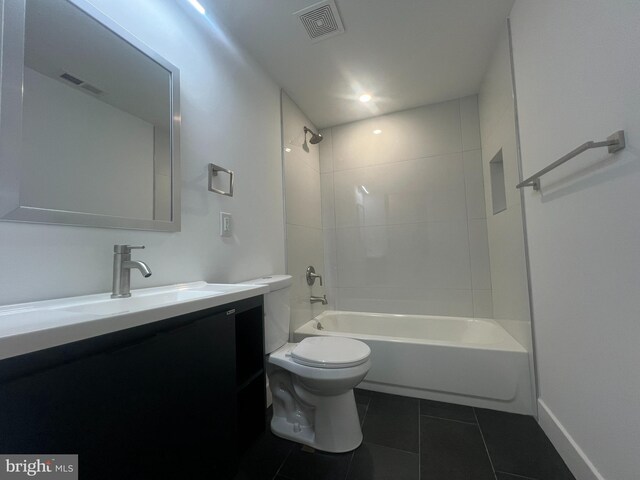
160	407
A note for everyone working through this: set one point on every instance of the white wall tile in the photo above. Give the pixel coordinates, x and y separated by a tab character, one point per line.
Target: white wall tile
294	121
303	200
508	271
474	184
426	189
302	194
304	248
326	151
407	300
330	257
504	230
413	192
482	304
332	298
328	210
416	133
470	123
434	255
503	137
496	95
479	254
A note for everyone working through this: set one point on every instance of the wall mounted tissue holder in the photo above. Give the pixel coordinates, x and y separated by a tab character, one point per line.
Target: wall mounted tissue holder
213	172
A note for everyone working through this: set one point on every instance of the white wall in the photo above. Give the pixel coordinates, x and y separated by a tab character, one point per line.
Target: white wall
404	215
77	151
509	281
577	70
303	214
223	94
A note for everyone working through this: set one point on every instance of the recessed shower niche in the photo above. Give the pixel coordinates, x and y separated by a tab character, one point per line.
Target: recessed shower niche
498	190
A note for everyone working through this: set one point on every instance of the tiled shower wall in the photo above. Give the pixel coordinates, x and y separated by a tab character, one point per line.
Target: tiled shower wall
302	212
403	213
505	229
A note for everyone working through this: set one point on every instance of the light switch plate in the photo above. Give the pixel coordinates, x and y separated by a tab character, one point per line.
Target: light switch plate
226	224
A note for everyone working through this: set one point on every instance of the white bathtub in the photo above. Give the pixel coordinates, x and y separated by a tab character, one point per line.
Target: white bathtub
462	360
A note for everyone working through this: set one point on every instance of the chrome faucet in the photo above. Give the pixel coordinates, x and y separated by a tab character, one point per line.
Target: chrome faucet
322	299
122	265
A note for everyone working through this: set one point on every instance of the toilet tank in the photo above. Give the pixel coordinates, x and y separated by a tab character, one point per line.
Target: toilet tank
277	312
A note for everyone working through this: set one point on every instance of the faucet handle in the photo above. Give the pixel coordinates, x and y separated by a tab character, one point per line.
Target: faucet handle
125	248
312	275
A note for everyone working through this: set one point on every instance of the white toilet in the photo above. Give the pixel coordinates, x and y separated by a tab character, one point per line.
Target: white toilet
312	381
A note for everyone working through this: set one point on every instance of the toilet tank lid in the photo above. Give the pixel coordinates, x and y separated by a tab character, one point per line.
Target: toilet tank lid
275	282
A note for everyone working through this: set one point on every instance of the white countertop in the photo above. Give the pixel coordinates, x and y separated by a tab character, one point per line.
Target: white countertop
28	327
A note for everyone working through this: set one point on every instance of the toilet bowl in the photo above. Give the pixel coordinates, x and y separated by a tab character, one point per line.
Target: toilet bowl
313	400
311	382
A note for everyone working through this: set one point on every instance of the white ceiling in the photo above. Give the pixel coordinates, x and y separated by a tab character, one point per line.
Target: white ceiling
405	53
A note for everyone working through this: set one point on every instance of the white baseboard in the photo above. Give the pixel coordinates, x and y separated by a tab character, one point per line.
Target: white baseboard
569	450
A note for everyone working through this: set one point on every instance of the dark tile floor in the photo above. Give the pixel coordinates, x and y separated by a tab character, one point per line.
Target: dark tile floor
410	439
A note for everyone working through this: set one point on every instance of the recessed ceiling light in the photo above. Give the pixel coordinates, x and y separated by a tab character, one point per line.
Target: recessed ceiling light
287	149
377	131
195	4
365	98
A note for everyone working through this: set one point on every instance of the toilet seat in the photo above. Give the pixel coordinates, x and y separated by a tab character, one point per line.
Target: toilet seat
330	352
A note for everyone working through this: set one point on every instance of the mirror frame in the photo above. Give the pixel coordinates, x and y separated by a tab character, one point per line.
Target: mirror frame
12	35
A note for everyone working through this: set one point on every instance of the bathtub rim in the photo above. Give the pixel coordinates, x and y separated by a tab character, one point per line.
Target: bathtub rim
308	328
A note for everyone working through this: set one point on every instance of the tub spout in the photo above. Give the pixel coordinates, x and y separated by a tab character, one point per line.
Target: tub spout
322	299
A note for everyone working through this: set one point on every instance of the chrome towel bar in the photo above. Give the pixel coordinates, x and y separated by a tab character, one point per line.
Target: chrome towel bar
614	142
213	172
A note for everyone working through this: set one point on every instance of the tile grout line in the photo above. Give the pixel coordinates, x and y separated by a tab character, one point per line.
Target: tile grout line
466	209
346	475
484	442
515	475
410	159
283	462
364	417
393	448
449	419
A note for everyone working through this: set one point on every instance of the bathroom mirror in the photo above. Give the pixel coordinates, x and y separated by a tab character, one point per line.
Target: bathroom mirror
89	121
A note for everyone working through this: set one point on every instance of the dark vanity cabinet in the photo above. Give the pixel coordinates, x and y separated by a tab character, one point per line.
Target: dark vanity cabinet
170	399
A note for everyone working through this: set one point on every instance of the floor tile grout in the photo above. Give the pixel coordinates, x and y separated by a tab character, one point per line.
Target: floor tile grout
449	419
515	475
364	417
349	466
486	449
283	462
393	448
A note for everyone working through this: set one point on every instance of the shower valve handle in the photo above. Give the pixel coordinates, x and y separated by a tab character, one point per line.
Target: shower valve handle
312	275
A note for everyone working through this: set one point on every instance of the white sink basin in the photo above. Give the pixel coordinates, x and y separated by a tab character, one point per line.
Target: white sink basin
28	327
116	306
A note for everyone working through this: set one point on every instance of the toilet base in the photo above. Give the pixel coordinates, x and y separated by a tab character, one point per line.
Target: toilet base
334	425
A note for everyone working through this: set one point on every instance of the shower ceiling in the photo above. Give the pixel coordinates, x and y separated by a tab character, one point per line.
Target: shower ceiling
405	53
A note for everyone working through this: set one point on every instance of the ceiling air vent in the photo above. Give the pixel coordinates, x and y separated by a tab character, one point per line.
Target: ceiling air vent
70	78
321	20
91	88
81	83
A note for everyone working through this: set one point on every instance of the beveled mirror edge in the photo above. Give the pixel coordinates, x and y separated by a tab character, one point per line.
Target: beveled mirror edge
12	33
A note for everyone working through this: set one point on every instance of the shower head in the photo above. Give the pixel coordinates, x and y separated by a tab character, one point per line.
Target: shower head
315	137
